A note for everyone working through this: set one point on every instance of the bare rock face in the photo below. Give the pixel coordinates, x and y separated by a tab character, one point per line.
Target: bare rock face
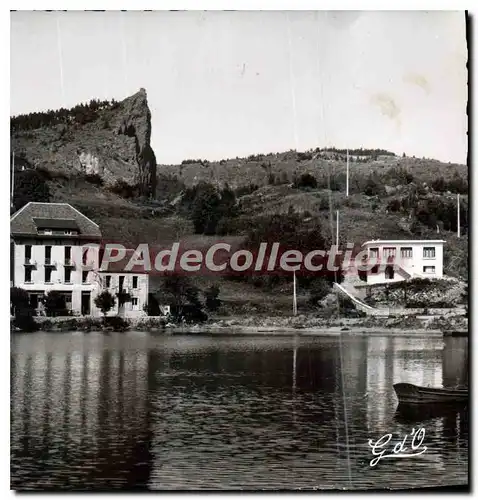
112	141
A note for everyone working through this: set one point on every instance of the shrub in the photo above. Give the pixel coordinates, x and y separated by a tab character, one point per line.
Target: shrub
30	185
318	291
105	302
125	190
55	304
394	205
95	179
212	300
118	323
25	321
373	187
306	181
19	299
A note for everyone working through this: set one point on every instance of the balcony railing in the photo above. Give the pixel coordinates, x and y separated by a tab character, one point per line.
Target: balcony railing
50	263
69	263
30	262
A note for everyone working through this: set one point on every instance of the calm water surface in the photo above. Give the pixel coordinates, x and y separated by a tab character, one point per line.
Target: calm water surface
206	412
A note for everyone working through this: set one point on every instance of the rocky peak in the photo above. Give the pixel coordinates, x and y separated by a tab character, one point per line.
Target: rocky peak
110	139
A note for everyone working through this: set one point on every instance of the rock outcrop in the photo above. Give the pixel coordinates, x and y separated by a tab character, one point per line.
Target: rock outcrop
112	141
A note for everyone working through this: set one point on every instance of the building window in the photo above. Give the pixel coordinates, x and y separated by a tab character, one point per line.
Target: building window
135	281
28	275
48	254
429	269
28	253
67	275
67	255
121	283
406	252
374	253
107	281
84	277
134	303
48	271
428	252
389	252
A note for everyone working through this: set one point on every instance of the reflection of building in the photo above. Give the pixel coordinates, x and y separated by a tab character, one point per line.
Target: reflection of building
81	403
392	360
455	362
50	245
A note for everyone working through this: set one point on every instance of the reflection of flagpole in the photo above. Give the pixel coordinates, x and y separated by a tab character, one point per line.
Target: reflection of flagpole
294	367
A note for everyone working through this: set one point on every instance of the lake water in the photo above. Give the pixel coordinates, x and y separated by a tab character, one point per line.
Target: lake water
135	410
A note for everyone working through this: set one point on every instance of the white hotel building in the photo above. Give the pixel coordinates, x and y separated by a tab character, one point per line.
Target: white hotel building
49	243
404	259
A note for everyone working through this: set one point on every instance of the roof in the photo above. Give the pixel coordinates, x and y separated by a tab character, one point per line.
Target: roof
55	223
24	221
401	242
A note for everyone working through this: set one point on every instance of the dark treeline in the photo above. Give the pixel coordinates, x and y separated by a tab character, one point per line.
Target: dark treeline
81	113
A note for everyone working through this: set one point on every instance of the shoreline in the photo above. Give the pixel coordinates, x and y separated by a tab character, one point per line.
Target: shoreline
259	326
305	332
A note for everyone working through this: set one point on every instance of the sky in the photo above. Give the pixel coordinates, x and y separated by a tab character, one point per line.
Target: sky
222	84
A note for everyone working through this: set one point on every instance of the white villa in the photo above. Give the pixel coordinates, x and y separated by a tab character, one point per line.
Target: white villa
48	244
404	259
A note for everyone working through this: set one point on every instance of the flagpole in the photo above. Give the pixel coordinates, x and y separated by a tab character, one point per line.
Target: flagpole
13	177
458	216
337	231
347	185
294	305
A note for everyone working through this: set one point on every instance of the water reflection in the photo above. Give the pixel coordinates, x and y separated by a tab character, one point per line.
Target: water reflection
137	411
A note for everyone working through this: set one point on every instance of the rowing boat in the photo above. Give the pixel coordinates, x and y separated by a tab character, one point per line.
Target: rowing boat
414	394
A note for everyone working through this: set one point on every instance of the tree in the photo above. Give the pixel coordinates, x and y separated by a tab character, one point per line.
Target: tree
206	209
105	302
19	300
30	185
373	187
55	304
180	292
212	298
464	298
318	291
306	181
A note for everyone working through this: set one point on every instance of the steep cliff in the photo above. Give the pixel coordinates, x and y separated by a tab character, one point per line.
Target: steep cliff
110	139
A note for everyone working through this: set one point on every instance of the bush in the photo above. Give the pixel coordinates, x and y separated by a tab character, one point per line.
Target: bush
95	179
30	185
25	322
394	205
19	299
105	302
212	300
118	323
318	291
125	190
373	187
55	304
306	181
